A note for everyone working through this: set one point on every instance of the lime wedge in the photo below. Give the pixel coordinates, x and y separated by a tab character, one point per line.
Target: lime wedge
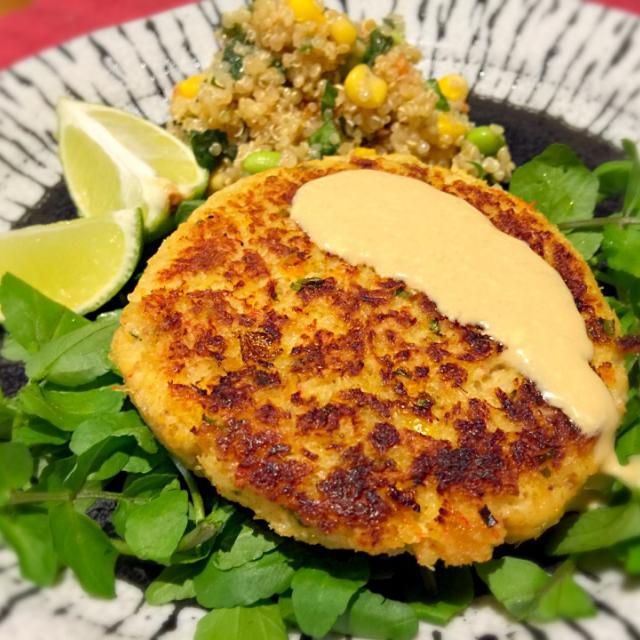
114	160
80	263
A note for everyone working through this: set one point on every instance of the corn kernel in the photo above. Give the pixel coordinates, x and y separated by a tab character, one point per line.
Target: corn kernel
454	87
364	152
364	88
343	31
189	87
450	127
306	10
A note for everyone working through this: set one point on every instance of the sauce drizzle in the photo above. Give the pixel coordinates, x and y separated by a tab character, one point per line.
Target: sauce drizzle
476	274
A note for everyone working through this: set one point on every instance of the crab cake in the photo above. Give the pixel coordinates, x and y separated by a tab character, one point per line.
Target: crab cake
341	407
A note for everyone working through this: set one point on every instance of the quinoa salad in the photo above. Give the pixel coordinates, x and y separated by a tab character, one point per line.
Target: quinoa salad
293	81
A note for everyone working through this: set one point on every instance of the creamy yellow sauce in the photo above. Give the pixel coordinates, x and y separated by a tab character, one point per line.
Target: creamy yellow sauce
477	275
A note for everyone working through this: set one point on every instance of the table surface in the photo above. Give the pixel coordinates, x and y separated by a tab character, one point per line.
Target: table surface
28	26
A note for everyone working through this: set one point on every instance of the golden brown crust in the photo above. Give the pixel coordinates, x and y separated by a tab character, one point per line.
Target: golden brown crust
342	408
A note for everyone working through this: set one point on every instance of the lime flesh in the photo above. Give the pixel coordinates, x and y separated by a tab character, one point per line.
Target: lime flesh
113	160
79	263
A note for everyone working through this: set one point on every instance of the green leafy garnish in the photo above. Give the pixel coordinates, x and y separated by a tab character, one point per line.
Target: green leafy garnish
243	585
558	183
322	591
528	592
85	548
243	623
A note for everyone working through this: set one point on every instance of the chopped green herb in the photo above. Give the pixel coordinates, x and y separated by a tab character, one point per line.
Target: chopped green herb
328	100
307	282
434	325
403	293
234	60
211	147
236	33
401	372
378	44
326	140
442	104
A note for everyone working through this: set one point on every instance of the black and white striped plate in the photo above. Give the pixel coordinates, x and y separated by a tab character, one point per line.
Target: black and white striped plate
551	70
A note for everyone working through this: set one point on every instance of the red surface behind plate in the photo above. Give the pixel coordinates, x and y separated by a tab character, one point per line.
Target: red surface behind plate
43	23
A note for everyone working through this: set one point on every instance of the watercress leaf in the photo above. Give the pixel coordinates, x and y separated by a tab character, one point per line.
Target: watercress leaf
7	417
54	474
140	461
16	467
242	623
454	594
628	443
173	583
613	177
153	530
321	592
250	544
82	545
374	616
12	350
27	532
244	585
558	184
595	529
621	247
586	242
631	204
629	554
101	427
147	486
98	460
514	582
33	432
67	409
562	597
111	466
31	318
285	603
77	357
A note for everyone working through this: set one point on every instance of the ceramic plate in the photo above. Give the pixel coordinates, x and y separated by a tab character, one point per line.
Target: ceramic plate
550	70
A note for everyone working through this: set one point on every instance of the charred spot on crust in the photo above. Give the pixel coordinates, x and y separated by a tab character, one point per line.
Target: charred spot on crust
325	418
384	436
488	517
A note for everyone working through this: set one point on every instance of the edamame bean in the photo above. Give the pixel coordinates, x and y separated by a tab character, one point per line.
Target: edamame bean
261	161
486	139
